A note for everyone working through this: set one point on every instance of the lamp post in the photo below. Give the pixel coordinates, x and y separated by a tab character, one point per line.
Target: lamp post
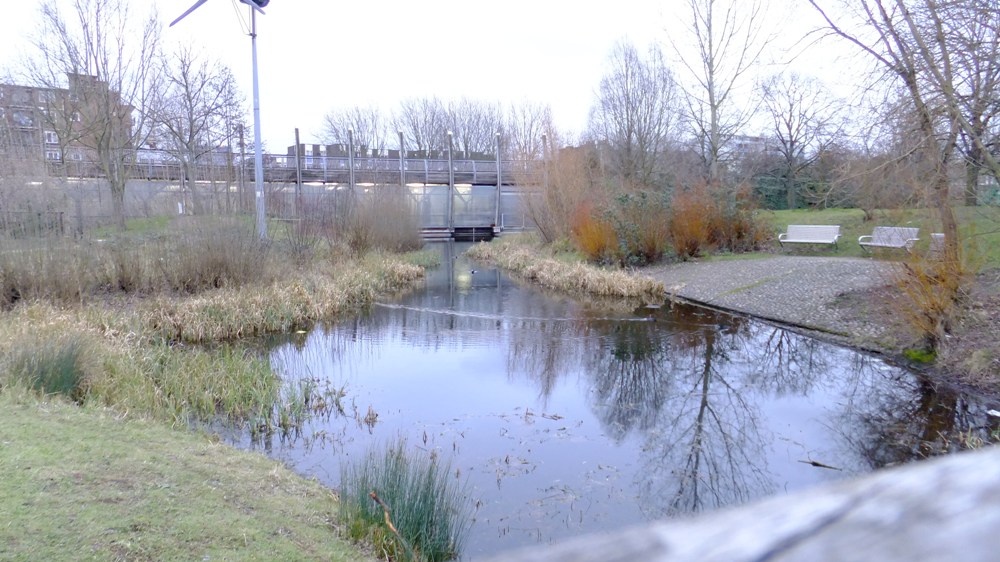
258	162
255	6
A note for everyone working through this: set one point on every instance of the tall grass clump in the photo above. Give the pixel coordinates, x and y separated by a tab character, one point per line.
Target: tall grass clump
210	253
186	384
420	498
194	255
577	277
56	269
383	219
62	365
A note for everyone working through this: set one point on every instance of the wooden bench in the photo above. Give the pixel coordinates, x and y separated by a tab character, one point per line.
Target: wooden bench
810	234
899	237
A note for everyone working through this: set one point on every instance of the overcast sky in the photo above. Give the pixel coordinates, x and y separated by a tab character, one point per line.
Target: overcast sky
318	56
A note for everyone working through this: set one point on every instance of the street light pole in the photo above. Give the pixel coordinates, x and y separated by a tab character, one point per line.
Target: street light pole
258	168
255	6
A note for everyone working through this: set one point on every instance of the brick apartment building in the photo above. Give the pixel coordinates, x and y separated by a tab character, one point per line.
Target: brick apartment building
60	125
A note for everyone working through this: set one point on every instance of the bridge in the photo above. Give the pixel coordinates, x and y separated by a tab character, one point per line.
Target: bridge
486	197
280	168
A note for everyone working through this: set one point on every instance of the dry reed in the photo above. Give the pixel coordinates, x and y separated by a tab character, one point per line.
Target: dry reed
526	262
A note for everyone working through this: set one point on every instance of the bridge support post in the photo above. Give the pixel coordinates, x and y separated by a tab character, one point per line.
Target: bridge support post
298	174
496	218
402	166
350	158
451	186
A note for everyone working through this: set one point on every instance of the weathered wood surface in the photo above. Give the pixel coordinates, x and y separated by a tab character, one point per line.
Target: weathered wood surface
943	509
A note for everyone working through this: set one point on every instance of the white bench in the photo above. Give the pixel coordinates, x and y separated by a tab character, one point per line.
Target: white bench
810	234
900	237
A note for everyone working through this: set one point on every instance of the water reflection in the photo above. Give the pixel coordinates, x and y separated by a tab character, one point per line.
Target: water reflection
571	417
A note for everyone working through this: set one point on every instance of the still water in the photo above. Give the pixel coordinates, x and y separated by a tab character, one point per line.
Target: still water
571	417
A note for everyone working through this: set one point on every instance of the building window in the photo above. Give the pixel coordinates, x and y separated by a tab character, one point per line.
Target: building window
76	156
51	137
52	155
75	117
23	119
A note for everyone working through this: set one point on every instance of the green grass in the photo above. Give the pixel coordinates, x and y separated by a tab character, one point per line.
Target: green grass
980	228
134	227
428	506
80	483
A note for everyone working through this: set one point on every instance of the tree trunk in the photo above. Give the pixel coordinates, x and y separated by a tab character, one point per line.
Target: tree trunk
791	188
973	169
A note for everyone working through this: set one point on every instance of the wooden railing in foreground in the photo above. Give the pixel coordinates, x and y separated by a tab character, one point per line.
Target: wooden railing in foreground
942	509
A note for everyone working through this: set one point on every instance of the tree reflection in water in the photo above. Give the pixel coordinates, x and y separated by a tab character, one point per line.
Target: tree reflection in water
911	418
583	412
702	442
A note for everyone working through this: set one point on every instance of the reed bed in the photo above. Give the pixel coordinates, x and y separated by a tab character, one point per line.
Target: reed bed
529	263
113	323
231	314
426	506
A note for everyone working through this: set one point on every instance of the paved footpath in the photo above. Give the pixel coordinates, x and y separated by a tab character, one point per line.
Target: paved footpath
796	290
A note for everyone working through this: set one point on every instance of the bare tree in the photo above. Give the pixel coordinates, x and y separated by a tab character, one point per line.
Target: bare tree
527	122
197	98
917	43
104	55
803	118
729	36
424	123
475	124
900	42
367	123
974	30
636	113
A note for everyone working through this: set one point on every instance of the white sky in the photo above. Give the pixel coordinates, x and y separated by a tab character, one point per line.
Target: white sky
317	56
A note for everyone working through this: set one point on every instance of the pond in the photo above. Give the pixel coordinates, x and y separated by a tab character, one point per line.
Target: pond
572	417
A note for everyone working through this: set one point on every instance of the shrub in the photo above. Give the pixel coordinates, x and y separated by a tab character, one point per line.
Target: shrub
595	238
640	224
703	217
424	502
932	289
571	182
692	212
735	225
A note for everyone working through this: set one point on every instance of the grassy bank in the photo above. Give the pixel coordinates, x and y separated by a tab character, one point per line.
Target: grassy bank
980	228
525	258
97	347
83	483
